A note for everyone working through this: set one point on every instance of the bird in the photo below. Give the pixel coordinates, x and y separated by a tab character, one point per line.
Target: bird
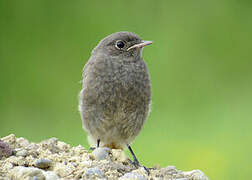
115	99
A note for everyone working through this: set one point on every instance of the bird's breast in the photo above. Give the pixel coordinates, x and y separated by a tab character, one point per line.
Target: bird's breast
113	81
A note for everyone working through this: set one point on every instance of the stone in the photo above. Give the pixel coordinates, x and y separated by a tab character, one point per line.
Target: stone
26	173
168	171
7	165
101	153
21	152
64	170
50	175
195	175
5	149
119	155
51	145
4	178
132	176
63	146
43	163
10	139
93	172
22	142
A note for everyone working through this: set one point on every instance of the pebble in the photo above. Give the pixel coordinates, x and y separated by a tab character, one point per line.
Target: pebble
10	139
101	153
132	176
92	172
21	152
195	175
50	175
5	149
43	163
51	145
169	170
119	155
63	146
64	170
22	142
23	173
7	165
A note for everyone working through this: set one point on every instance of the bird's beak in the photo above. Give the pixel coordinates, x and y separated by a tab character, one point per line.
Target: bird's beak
140	45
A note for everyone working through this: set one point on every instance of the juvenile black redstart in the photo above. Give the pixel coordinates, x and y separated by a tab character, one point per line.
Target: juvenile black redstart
116	94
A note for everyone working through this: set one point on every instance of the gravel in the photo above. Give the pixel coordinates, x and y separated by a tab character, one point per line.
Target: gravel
52	159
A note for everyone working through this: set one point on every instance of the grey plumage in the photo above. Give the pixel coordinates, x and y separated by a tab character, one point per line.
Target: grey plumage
116	94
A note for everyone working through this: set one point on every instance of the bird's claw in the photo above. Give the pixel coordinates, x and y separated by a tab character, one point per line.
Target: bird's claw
91	149
138	165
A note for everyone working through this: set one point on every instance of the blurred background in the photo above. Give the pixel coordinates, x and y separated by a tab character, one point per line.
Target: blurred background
200	65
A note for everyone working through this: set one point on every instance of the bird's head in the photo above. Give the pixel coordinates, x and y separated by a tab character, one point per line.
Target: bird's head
124	45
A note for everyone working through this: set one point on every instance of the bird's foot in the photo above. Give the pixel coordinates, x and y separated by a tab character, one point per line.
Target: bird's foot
138	165
136	162
97	145
91	149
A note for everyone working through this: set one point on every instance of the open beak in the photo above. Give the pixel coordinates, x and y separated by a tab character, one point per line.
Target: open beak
140	45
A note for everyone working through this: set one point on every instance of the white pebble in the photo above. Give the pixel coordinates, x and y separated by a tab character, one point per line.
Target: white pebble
21	172
21	152
101	153
50	175
90	172
132	176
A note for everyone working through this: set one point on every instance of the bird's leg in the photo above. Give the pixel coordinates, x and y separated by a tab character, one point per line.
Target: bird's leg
97	145
136	162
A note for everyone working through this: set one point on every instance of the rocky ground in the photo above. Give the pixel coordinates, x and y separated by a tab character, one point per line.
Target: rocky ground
55	160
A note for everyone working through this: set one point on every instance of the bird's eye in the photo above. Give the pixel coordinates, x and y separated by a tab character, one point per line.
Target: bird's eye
119	44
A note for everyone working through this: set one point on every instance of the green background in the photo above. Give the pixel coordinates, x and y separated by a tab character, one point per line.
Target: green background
200	65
